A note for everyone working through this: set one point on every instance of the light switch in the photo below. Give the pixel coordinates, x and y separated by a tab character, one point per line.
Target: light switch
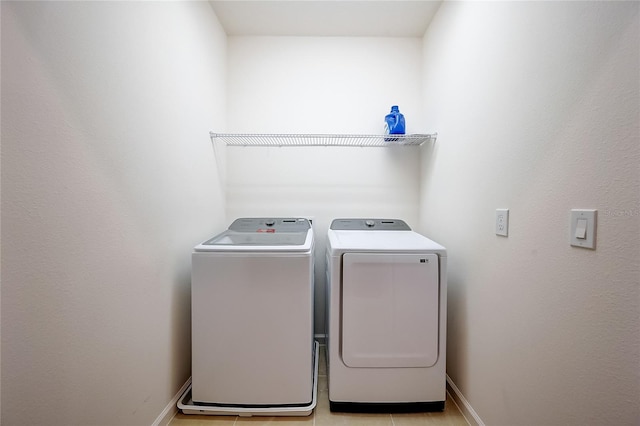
583	228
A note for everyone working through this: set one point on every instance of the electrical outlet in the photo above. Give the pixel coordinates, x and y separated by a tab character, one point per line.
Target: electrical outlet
502	222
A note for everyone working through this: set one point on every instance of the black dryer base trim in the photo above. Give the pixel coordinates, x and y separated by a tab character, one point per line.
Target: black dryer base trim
386	407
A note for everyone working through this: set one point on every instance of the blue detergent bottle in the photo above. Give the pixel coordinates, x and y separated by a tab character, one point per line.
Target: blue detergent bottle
394	123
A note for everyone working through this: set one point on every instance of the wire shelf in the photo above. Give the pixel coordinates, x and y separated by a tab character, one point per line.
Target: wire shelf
279	140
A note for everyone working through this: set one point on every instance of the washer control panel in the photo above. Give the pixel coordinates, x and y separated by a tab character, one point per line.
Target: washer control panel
254	224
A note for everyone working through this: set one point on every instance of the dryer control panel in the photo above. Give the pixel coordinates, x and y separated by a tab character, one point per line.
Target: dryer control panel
369	224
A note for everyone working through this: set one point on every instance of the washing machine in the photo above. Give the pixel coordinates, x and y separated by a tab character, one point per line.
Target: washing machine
252	292
386	317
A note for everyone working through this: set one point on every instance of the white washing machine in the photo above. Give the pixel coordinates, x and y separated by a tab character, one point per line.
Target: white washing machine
386	319
252	290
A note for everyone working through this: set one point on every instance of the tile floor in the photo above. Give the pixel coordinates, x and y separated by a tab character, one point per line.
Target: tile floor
322	416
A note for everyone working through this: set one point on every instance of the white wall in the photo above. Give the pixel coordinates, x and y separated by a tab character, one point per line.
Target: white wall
537	109
322	85
108	181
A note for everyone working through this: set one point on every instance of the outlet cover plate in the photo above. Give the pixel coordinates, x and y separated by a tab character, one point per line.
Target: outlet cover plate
502	222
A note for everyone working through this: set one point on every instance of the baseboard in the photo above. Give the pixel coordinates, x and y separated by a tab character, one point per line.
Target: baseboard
465	408
172	407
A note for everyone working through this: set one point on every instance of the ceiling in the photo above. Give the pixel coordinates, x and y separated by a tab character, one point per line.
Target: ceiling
365	18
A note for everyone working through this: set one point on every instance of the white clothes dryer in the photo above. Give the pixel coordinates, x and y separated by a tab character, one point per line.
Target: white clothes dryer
386	319
253	351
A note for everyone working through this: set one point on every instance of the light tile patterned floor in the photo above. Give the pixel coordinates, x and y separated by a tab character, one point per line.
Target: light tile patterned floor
322	416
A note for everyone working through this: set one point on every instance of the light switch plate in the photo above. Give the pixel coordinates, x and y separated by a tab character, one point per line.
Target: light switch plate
589	240
502	222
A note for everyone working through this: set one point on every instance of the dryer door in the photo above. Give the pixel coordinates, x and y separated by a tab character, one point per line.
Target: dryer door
390	310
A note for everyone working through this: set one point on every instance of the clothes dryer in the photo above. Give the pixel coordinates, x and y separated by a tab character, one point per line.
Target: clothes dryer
386	319
252	291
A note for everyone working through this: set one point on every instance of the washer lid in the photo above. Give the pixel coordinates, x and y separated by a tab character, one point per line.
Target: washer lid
257	238
262	234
